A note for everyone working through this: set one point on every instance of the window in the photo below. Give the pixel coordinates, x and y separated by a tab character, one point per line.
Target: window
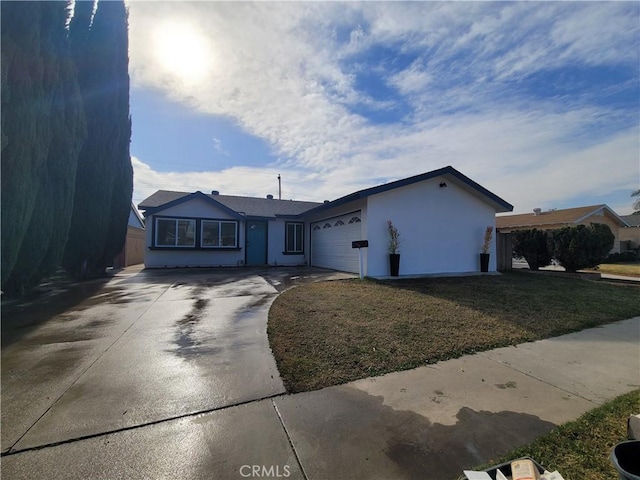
195	233
175	232
295	238
339	223
326	225
354	220
217	233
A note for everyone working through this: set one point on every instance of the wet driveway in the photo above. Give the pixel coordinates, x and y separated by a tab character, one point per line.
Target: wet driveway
139	349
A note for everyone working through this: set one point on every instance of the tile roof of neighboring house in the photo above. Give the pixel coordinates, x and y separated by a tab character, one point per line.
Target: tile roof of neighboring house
632	220
250	206
565	216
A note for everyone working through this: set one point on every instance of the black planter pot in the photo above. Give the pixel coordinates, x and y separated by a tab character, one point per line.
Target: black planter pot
484	262
394	264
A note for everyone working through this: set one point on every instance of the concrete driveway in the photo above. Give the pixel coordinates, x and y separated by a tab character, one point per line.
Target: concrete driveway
141	348
168	375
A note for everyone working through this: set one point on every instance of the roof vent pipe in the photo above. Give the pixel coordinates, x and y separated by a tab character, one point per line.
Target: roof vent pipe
215	192
536	211
270	197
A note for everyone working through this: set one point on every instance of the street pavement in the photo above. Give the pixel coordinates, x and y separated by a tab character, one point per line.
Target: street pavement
169	375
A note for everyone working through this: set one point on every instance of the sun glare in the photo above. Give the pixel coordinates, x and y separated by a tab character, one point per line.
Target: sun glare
182	51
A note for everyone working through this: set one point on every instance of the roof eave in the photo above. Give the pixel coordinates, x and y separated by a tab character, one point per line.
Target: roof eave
498	203
606	209
189	197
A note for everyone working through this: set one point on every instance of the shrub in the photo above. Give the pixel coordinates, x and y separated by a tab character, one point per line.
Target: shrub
533	245
622	257
581	246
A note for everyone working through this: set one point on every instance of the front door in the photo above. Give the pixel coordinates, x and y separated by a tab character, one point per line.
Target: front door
256	248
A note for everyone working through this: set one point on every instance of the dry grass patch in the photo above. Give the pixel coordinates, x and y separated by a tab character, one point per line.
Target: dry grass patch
627	269
333	332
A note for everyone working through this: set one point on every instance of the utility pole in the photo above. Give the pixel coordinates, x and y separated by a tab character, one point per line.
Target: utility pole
279	187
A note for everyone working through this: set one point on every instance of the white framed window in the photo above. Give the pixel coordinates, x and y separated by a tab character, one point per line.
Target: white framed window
218	234
294	242
175	232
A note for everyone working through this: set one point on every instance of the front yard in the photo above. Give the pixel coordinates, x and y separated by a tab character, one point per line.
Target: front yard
333	332
627	269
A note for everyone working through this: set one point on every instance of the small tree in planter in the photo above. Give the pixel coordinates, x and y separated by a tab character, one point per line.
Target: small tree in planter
486	248
394	248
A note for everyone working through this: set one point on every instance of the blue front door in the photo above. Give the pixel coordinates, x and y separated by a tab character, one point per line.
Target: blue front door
256	247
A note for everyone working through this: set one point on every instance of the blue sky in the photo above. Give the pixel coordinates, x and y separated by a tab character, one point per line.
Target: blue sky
537	101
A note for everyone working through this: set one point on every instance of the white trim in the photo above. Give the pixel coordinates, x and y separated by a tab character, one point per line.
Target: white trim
606	209
219	222
176	220
295	237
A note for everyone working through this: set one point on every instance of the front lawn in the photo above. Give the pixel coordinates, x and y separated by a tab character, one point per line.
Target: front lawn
333	332
627	269
582	448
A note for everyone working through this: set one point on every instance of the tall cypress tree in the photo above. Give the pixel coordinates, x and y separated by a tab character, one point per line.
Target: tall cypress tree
42	247
26	131
104	179
42	130
115	16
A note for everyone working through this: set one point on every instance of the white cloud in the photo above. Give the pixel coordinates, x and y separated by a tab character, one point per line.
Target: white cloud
217	145
286	72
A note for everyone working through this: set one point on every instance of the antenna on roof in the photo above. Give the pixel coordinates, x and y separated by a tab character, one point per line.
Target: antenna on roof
279	187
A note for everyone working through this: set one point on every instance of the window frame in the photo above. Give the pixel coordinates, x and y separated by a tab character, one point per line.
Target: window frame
220	244
176	221
287	249
198	223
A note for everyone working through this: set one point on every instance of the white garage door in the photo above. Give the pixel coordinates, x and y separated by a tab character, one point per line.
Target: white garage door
331	243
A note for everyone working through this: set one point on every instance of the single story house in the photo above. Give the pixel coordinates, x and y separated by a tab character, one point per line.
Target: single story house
630	235
553	219
441	216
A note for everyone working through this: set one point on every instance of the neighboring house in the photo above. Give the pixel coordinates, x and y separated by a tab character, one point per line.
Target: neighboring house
567	217
134	247
441	216
630	236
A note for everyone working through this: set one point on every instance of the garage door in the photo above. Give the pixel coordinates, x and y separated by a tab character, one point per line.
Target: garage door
331	243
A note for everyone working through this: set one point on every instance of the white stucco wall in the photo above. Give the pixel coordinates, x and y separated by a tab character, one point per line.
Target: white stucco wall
441	229
189	257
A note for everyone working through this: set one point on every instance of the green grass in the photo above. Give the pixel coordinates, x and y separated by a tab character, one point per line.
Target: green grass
581	449
627	269
329	333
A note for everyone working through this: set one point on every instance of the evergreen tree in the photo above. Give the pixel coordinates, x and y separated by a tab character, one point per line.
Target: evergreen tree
26	131
41	250
581	246
104	179
122	190
533	245
42	130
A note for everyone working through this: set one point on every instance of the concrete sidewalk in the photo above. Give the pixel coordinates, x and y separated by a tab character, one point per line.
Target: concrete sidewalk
431	422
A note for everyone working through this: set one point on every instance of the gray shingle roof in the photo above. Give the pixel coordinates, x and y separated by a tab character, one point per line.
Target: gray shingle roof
263	207
251	206
632	220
